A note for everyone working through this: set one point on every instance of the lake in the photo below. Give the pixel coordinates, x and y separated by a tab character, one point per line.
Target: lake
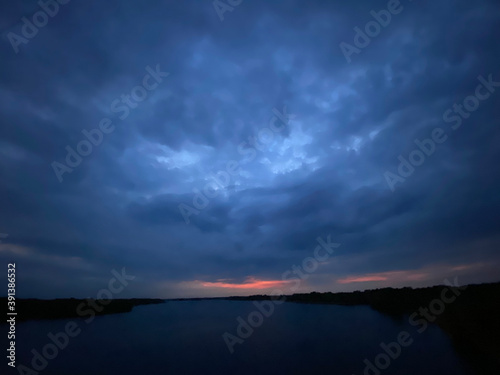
186	337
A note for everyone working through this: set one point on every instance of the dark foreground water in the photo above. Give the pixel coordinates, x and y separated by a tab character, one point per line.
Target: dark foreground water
186	338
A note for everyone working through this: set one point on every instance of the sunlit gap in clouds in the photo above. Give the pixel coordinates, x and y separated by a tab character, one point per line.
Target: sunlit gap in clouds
426	274
361	279
231	287
249	283
383	276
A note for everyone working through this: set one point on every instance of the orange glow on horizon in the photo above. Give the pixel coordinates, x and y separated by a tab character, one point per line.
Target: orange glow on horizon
249	283
396	276
361	279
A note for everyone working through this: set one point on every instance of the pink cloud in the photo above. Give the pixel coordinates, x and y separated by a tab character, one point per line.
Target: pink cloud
361	279
428	273
249	283
385	276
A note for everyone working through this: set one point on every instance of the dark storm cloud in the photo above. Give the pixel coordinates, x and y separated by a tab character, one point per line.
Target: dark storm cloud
322	173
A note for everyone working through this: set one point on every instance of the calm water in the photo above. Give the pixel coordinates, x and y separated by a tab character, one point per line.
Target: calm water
186	338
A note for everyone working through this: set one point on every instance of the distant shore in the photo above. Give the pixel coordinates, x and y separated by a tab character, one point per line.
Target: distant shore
63	308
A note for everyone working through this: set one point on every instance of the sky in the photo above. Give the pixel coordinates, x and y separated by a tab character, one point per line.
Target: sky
213	148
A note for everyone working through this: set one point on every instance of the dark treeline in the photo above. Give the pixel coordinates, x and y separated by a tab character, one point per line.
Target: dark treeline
35	309
470	317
